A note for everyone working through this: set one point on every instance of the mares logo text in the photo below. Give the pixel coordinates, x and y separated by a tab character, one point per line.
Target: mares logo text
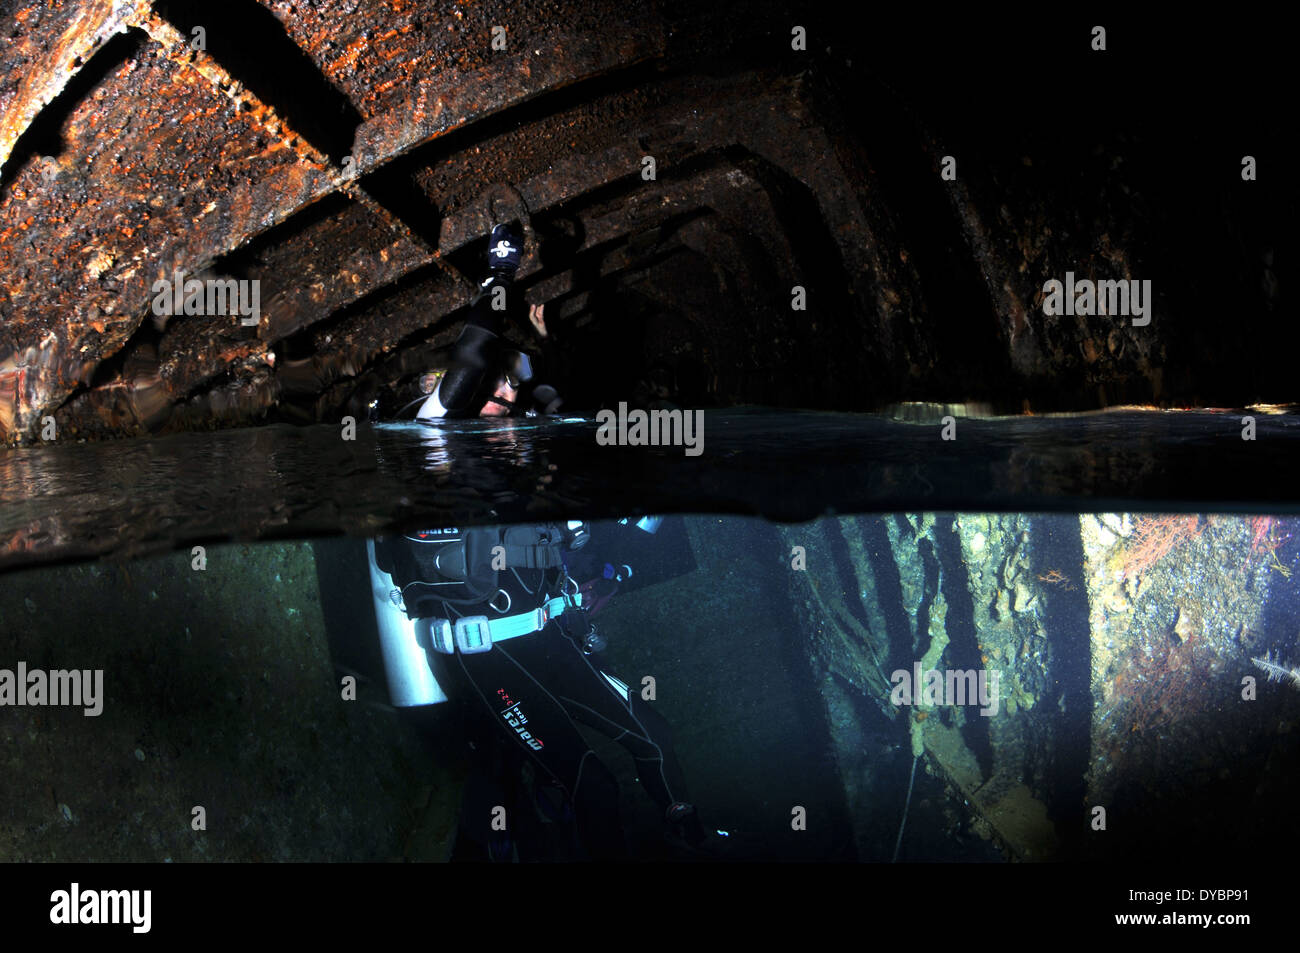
516	719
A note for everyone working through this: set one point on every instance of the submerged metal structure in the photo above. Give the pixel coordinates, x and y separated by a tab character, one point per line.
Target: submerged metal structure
742	206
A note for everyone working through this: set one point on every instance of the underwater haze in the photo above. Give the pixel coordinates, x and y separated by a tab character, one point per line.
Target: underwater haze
919	686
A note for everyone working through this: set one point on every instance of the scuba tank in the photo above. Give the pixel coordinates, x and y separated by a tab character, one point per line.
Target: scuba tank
407	662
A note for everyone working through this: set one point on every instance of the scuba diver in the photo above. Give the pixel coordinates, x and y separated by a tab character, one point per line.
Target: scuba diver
484	379
491	617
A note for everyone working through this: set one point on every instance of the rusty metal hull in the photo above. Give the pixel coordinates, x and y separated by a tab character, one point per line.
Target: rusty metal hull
346	157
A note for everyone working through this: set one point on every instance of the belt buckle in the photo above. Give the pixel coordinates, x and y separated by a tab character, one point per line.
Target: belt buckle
440	636
473	634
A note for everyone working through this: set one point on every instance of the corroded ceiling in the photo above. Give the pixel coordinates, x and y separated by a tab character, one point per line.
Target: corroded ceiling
348	156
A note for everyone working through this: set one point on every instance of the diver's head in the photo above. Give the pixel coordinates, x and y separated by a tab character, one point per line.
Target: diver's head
514	377
502	401
482	389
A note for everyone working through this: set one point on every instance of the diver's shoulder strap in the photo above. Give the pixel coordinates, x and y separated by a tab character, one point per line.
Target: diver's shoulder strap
533	546
533	557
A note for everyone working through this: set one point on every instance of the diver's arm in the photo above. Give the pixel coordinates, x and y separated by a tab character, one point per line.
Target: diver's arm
472	357
475	352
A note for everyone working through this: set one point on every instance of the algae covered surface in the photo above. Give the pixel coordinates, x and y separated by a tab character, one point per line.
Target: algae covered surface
1131	654
1112	674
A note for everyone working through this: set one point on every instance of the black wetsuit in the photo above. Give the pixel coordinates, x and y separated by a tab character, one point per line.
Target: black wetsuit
533	688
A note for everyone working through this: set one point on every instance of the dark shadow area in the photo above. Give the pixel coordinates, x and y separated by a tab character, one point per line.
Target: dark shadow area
921	213
1211	788
963	652
350	631
1153	169
603	362
1058	545
889	590
559	236
819	267
247	40
394	187
843	561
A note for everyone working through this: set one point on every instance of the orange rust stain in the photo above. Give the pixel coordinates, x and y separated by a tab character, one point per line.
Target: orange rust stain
347	60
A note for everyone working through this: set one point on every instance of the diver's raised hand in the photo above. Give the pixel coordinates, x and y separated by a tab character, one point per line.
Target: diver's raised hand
537	318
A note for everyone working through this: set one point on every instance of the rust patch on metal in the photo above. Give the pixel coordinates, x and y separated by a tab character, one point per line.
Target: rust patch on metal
52	42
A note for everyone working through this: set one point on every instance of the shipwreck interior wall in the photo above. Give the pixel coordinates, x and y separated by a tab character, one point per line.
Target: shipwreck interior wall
1121	642
723	205
349	157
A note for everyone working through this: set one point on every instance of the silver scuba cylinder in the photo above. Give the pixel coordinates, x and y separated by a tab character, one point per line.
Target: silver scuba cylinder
407	644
